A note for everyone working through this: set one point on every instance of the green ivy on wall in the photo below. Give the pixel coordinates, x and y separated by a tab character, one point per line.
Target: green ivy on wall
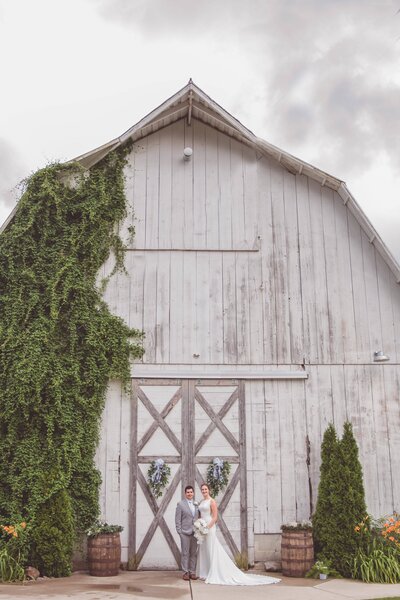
59	347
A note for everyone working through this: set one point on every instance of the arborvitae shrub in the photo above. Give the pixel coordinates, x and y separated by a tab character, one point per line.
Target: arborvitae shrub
341	500
53	536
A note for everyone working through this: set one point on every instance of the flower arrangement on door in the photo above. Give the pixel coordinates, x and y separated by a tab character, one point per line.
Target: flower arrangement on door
218	475
158	476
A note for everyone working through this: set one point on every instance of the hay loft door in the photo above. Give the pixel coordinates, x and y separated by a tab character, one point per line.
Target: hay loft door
187	423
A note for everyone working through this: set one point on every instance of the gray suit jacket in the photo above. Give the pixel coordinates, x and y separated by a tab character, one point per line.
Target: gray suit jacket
184	519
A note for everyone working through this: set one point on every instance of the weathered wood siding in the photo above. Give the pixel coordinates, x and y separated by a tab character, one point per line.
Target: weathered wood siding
240	262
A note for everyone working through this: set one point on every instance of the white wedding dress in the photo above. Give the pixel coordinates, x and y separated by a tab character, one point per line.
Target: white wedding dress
213	563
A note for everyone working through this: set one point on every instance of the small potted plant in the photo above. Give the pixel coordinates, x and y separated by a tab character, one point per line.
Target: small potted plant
297	548
104	549
321	569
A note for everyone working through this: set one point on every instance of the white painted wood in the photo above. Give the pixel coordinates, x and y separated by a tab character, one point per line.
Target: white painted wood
243	271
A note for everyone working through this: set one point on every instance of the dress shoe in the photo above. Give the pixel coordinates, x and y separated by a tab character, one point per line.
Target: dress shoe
186	576
193	576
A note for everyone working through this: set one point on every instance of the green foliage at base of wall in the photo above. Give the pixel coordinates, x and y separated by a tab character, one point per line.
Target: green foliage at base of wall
341	500
53	536
59	343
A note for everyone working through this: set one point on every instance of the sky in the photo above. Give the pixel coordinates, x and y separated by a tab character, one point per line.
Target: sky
318	78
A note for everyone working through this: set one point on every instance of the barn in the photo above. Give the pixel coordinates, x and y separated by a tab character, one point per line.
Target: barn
270	306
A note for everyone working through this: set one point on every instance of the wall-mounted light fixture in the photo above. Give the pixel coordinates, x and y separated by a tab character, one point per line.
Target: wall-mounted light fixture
187	153
379	356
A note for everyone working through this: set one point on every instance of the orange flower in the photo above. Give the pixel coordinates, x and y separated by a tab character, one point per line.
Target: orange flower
23	524
356	528
386	525
15	534
391	538
391	519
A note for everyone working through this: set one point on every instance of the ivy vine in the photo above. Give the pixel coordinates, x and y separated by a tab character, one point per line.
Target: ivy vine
59	347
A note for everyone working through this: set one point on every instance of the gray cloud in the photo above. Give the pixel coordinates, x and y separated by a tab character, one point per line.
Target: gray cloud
328	68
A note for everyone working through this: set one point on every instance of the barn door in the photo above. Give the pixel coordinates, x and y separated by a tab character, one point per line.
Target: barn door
187	423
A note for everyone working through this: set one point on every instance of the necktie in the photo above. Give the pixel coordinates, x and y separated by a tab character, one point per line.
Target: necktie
191	506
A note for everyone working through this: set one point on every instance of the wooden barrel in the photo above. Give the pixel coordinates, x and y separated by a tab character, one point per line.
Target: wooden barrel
104	554
297	553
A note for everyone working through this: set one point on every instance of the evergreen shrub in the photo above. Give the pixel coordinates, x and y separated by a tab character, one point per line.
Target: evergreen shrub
341	500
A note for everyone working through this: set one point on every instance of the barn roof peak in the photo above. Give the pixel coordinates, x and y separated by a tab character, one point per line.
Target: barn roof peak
191	102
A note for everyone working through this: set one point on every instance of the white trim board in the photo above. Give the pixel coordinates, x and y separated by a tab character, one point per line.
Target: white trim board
153	371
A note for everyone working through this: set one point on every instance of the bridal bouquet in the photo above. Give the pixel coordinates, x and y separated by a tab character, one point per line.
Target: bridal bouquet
200	530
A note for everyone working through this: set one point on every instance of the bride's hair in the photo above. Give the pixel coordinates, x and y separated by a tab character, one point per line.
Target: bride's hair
206	485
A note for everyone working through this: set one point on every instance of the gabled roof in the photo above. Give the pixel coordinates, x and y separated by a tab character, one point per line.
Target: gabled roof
191	102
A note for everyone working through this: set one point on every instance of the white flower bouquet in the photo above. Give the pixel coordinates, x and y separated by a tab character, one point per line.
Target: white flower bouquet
200	530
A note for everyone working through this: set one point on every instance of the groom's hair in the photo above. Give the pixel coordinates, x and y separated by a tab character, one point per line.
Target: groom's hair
189	487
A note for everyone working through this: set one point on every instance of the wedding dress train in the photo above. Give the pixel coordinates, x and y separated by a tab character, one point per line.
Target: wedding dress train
213	563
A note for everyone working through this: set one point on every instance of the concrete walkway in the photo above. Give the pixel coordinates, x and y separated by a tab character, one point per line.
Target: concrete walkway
169	585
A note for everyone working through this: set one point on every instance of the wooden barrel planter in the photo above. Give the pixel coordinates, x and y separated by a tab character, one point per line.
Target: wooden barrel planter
104	554
297	553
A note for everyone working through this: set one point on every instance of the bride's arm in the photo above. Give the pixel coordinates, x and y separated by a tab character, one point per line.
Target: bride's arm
214	514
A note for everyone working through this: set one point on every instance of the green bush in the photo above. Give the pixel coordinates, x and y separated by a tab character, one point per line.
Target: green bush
341	501
53	536
59	345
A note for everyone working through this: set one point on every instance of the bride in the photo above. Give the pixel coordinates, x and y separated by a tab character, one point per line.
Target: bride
213	563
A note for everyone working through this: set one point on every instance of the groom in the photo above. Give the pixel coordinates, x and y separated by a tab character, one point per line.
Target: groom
185	515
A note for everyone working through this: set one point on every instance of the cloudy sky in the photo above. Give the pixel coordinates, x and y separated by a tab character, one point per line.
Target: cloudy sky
318	78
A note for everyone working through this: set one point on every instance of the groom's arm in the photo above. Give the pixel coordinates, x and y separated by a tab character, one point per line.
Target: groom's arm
178	518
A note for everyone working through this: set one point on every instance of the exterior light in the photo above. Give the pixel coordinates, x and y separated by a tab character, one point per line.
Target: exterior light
379	356
187	153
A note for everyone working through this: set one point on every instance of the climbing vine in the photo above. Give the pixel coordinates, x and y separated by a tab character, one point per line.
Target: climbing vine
59	346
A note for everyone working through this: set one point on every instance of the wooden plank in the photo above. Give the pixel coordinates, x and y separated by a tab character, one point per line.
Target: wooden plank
158	512
163	414
221	414
133	473
202	337
265	231
212	189
385	276
348	327
225	203
367	433
242	310
215	418
273	460
178	182
318	281
199	184
287	451
188	169
372	295
359	293
215	303
139	192
162	293
157	417
392	386
298	408
243	469
149	307
310	332
250	185
165	237
176	309
333	266
280	266
152	189
188	315
293	269
229	309
237	195
230	488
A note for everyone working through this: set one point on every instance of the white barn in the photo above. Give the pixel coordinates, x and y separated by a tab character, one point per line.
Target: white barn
264	292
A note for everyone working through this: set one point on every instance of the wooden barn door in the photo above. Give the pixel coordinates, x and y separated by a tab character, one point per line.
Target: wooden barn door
187	423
